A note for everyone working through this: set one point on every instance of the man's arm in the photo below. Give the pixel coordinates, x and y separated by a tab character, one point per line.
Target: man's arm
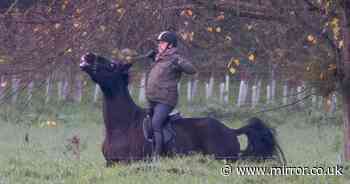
185	66
149	55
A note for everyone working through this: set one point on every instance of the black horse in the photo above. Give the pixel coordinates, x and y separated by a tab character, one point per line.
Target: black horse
124	140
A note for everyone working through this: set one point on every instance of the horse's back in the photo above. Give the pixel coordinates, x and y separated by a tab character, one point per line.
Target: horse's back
206	135
200	123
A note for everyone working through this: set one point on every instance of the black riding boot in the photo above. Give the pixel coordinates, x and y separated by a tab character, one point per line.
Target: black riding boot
158	138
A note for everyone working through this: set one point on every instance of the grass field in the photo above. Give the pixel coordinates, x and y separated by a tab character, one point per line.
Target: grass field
35	151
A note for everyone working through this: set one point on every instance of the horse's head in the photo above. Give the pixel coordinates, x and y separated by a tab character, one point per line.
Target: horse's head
106	73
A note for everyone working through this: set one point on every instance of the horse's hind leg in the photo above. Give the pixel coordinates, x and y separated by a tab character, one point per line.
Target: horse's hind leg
223	147
109	163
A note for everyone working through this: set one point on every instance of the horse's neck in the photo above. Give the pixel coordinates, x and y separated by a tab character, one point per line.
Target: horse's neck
120	111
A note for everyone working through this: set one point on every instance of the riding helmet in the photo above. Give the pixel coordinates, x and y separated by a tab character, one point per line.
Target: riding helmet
168	36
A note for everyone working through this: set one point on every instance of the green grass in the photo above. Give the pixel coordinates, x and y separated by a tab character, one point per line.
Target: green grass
308	139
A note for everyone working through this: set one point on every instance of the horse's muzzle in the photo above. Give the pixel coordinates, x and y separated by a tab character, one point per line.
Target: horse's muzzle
88	62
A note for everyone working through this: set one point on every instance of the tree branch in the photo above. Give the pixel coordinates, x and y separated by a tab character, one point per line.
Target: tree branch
243	11
287	105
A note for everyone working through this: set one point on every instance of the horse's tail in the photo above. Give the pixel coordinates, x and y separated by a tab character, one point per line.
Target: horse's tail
262	143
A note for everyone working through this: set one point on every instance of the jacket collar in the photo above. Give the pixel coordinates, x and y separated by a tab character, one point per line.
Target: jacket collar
166	53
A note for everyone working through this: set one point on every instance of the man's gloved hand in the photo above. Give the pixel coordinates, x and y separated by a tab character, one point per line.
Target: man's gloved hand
151	54
177	61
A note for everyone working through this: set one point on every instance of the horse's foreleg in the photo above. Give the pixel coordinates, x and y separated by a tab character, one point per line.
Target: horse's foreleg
109	163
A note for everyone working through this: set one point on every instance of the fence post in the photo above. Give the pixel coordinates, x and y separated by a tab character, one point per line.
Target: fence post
254	96
96	92
3	84
15	86
242	93
48	89
142	88
314	98
227	88
320	102
189	91
194	88
285	94
59	90
333	103
273	90
258	91
65	89
78	88
30	89
207	90
211	86
300	95
268	94
245	94
222	91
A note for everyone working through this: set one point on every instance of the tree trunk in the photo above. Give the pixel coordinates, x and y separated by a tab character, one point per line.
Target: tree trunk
346	119
345	83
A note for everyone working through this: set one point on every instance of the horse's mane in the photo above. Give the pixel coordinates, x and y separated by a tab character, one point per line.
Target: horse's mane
120	63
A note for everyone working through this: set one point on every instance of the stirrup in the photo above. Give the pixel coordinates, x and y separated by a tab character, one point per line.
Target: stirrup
149	112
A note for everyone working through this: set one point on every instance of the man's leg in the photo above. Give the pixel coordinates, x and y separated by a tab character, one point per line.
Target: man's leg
147	121
149	109
160	113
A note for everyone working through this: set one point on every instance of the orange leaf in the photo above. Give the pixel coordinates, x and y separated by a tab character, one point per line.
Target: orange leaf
232	70
236	61
220	17
250	27
311	39
308	68
332	66
322	76
189	13
183	12
57	25
251	57
341	44
3	84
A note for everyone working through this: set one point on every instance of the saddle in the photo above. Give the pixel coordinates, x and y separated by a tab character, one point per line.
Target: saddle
168	131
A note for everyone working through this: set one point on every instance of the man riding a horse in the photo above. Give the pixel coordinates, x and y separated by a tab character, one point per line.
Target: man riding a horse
123	140
161	88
